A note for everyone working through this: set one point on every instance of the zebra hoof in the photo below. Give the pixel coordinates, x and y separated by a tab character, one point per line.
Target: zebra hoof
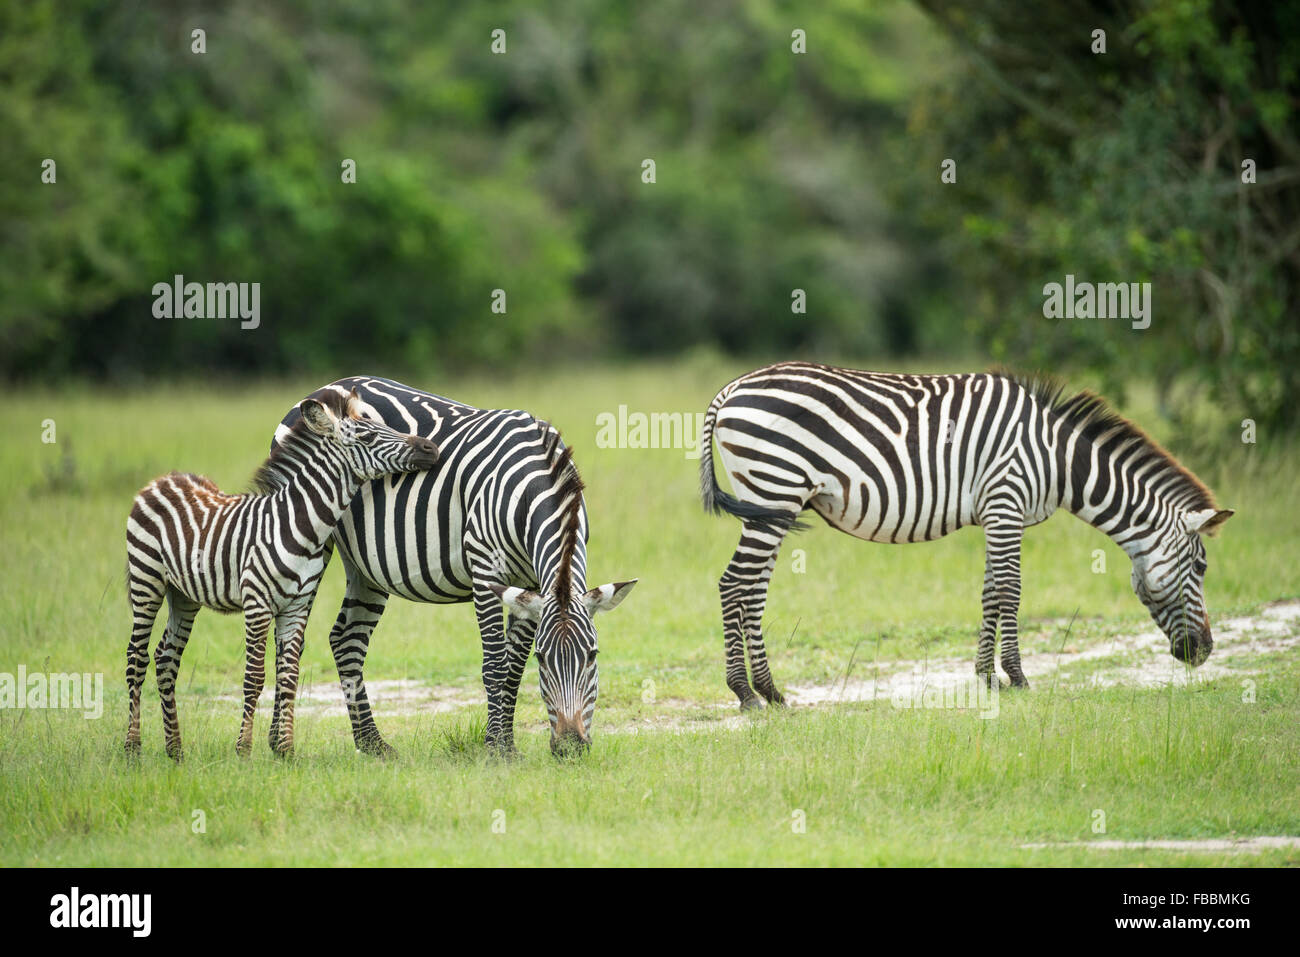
176	754
282	750
1021	684
132	748
377	748
754	703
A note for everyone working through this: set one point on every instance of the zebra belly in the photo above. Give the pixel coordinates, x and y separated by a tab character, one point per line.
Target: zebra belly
208	587
401	569
874	518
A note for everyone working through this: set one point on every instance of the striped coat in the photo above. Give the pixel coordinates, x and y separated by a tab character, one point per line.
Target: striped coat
260	553
910	458
501	522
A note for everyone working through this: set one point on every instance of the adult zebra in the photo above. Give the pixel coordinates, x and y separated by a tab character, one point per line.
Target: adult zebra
501	520
262	553
910	458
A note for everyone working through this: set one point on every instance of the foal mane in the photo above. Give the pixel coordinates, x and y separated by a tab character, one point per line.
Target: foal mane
273	473
1094	418
567	485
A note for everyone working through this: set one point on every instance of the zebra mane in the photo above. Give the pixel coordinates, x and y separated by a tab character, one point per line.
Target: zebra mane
568	492
1093	417
273	474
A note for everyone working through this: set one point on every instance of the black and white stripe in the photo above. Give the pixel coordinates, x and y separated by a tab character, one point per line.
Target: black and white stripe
262	553
910	458
501	520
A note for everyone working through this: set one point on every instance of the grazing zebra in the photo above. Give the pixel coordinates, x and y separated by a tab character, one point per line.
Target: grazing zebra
262	552
502	520
910	458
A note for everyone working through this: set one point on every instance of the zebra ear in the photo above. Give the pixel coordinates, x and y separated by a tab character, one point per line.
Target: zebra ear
1207	520
521	602
318	418
607	597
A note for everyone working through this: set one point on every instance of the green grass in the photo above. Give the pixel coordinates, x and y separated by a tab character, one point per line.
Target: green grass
877	785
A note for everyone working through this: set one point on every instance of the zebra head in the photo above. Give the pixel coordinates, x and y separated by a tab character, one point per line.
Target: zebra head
370	449
1170	581
565	646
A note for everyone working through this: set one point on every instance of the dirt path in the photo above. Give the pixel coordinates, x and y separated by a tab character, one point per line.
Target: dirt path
1141	660
1211	845
396	696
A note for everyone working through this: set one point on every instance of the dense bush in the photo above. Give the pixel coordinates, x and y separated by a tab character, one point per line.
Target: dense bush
1127	166
775	171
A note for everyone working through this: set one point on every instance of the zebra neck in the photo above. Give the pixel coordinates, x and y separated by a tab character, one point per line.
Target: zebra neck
318	491
1129	503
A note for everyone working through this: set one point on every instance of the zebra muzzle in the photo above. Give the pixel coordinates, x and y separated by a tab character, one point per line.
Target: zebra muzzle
1194	649
426	452
569	735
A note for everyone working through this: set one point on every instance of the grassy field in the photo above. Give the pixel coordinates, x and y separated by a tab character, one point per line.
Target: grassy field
674	776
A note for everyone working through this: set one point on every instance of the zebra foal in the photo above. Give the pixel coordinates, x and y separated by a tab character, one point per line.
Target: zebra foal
262	553
911	458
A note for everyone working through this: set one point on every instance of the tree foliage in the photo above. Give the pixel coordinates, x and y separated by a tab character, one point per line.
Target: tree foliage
775	171
1127	165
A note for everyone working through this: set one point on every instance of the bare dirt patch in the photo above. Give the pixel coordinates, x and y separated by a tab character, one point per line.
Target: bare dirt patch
1139	660
398	696
1213	845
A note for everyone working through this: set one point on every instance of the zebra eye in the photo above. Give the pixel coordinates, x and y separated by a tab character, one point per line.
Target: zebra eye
1199	567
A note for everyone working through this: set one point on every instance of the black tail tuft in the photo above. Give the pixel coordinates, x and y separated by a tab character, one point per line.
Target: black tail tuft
716	501
778	521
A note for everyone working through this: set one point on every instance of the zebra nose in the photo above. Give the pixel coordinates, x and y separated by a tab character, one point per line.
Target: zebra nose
569	734
1205	646
426	450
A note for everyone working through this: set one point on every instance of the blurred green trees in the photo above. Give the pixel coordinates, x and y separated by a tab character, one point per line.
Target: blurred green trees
775	171
1128	166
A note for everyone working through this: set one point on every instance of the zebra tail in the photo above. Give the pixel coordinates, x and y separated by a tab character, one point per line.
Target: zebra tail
716	501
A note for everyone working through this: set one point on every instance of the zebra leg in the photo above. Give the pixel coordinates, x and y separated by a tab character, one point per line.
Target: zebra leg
519	645
1004	553
496	665
988	625
743	589
257	621
754	646
274	734
290	626
349	641
167	663
146	597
